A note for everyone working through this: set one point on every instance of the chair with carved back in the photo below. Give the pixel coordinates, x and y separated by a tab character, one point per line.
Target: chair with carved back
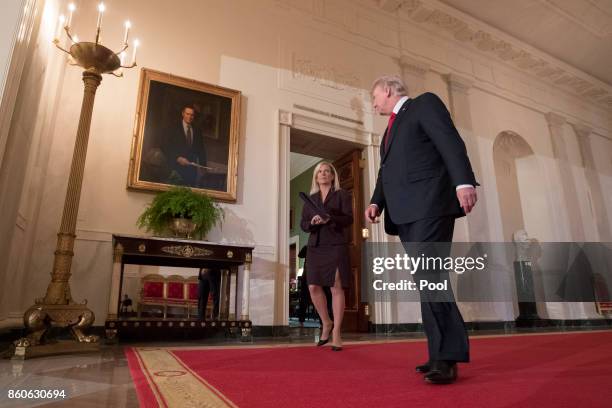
192	289
152	292
176	294
602	295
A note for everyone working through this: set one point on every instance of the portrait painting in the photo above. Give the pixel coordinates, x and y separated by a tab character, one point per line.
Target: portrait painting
186	134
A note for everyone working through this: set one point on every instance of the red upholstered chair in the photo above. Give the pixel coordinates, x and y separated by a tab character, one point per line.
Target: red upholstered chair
602	295
152	292
175	294
192	289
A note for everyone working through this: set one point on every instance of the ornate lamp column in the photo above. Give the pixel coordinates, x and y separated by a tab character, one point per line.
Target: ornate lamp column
57	308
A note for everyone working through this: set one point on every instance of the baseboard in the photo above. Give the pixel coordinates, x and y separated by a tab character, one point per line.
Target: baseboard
270	331
582	323
503	326
392	328
12	321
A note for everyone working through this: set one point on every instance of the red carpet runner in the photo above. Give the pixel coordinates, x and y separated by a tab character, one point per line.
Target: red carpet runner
555	370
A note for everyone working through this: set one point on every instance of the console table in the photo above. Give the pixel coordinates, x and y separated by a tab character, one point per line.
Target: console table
186	253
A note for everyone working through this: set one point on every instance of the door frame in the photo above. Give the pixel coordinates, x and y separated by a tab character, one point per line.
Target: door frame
370	143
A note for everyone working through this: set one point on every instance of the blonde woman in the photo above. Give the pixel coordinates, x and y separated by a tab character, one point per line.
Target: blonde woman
327	258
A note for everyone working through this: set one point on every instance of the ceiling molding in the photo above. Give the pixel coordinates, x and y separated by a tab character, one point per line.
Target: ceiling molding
504	48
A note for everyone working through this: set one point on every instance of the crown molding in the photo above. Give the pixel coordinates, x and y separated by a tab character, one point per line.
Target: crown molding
504	48
582	130
414	66
458	83
379	35
554	119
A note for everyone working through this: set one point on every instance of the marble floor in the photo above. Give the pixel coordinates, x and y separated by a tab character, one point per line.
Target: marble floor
102	379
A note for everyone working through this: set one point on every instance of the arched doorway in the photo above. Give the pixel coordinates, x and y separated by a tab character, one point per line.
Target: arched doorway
513	159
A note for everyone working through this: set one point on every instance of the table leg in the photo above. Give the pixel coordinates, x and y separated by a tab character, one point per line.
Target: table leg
246	288
224	295
233	309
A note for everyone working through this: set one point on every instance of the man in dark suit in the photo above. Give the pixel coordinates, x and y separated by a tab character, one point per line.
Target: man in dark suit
183	146
209	284
425	181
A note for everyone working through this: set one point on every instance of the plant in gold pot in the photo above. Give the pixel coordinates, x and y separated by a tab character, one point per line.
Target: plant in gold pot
181	211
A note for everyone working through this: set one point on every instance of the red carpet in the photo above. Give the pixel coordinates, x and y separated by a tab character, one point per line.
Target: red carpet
556	370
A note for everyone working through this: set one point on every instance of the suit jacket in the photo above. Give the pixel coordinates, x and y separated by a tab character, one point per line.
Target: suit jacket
175	145
338	204
425	161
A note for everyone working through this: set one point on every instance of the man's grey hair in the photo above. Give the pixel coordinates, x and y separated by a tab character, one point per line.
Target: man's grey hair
392	82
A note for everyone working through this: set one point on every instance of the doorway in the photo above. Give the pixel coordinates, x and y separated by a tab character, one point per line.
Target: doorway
306	150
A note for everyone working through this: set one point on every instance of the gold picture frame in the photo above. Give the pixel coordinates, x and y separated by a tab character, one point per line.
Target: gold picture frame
186	133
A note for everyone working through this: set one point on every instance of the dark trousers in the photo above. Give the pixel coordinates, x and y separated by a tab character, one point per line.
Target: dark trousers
305	301
447	337
209	283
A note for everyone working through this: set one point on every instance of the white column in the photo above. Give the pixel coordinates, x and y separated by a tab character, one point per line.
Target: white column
381	311
281	281
568	185
413	74
16	15
459	88
594	185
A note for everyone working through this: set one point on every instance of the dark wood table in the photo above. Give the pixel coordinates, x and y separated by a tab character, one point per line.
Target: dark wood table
185	253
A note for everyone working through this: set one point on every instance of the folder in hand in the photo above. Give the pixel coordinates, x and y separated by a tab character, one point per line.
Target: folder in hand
317	209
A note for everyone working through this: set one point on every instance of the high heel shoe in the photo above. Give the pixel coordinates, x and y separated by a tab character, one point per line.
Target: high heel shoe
324	342
336	348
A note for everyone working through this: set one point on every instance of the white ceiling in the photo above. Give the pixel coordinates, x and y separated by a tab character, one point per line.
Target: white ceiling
577	32
298	163
308	148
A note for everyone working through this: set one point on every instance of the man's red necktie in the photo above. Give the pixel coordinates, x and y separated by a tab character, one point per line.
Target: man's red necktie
388	138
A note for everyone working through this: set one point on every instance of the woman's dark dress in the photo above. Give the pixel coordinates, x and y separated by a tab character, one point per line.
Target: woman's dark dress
328	243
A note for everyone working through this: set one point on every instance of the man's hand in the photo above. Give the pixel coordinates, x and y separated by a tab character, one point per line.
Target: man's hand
371	213
467	198
182	161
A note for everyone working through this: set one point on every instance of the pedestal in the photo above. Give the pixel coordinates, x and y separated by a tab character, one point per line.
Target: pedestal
524	289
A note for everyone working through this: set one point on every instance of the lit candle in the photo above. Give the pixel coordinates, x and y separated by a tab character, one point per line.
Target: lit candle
122	57
136	44
60	26
75	39
71	8
101	8
127	31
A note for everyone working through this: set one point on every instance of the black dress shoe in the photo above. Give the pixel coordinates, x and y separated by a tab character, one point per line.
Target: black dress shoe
442	372
336	348
423	368
322	342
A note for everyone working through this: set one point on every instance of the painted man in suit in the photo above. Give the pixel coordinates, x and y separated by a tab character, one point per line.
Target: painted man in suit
183	146
425	181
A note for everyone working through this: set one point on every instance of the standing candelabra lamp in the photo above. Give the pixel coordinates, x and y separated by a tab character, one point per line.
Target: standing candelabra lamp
57	308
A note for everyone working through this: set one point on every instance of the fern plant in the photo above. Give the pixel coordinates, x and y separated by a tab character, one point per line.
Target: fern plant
180	202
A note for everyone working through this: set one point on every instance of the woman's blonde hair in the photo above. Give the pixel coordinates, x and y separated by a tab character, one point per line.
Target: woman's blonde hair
314	188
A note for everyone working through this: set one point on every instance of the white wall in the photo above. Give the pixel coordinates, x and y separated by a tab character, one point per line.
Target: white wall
9	21
279	54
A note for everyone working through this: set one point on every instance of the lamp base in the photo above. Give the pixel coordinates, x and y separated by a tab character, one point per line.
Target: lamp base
40	318
55	348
